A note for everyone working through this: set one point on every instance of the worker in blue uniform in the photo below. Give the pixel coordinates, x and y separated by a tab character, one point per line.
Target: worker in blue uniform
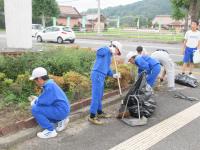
51	106
100	71
145	63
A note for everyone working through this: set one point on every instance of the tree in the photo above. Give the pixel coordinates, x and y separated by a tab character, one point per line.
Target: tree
194	9
1	5
2	18
183	8
44	9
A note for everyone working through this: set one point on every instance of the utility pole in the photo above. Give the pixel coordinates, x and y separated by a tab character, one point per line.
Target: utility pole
98	13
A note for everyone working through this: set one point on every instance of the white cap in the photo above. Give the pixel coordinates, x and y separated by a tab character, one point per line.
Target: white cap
118	45
130	55
38	72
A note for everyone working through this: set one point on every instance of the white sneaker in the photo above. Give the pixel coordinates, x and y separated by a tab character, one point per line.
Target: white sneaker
47	134
62	124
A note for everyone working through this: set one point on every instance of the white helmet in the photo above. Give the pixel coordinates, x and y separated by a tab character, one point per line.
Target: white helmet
130	55
38	72
118	45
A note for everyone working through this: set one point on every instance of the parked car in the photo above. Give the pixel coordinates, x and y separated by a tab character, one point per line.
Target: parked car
36	28
57	34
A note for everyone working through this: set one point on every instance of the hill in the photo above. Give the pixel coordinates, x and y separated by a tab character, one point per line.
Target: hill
146	8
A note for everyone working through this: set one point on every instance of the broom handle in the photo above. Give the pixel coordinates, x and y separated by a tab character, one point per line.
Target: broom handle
120	90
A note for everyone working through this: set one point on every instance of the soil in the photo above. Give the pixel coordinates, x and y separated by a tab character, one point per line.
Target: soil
10	115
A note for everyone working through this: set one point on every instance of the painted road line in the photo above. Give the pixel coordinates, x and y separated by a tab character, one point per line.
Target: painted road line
153	135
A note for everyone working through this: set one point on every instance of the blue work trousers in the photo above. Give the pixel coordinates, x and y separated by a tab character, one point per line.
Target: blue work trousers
97	91
47	115
151	78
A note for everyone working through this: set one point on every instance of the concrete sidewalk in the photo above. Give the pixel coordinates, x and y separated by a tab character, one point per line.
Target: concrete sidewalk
81	135
10	140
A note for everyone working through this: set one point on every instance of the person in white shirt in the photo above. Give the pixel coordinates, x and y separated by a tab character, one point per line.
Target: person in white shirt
165	60
191	43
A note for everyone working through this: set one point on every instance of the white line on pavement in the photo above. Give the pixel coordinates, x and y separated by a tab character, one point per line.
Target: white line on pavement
153	135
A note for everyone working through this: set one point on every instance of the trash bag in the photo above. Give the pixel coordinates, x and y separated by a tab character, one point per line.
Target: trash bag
196	57
186	80
142	92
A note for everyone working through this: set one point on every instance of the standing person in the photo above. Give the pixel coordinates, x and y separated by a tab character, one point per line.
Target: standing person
100	70
163	57
191	43
51	106
141	51
145	63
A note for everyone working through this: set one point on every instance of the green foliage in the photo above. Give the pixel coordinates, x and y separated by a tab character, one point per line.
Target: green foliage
1	5
2	18
56	60
15	85
69	67
48	8
180	8
77	85
45	9
127	77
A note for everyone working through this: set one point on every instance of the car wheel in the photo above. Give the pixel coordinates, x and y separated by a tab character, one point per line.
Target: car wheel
72	41
39	39
59	40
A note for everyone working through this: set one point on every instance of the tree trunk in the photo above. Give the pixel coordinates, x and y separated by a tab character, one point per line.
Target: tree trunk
194	9
186	22
43	20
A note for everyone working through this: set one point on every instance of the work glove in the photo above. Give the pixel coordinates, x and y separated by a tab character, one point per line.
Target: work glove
32	99
117	75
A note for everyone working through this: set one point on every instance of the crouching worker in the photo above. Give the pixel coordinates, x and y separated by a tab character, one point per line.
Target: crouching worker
165	60
51	106
100	71
145	63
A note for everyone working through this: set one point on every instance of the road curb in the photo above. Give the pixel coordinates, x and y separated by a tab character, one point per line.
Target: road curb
11	140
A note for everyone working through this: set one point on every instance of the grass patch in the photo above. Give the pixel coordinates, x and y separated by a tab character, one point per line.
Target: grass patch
156	36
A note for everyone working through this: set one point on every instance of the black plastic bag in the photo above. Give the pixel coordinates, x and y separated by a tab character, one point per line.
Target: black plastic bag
186	80
143	93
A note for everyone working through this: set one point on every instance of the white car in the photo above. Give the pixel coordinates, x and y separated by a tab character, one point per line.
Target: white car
57	34
36	28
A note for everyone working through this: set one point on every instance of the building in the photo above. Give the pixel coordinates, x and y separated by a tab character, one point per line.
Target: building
167	22
69	16
92	22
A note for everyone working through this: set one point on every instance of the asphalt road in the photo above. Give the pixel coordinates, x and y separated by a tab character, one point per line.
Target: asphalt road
174	49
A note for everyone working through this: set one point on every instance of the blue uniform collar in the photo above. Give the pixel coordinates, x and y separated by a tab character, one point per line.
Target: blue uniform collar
48	81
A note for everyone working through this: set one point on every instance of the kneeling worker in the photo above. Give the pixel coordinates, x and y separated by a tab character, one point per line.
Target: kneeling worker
52	105
163	57
145	63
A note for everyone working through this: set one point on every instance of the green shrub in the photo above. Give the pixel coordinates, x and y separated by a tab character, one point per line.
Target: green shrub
78	86
127	77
